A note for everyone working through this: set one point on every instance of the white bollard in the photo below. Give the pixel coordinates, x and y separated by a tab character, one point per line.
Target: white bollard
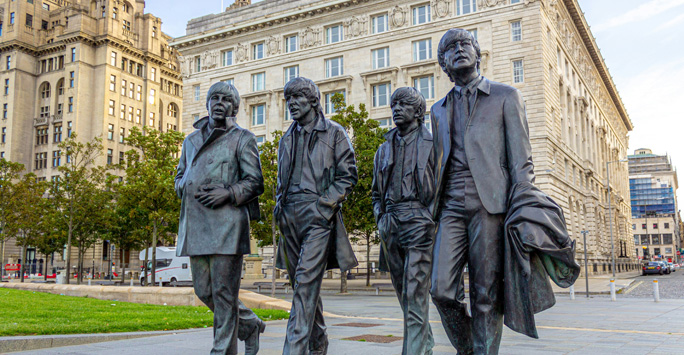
656	292
160	282
612	290
572	292
131	282
88	282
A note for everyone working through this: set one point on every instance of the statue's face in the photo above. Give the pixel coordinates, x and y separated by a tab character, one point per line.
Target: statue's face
299	106
403	113
460	55
220	106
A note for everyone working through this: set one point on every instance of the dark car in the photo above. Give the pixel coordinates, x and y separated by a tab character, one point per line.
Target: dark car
653	267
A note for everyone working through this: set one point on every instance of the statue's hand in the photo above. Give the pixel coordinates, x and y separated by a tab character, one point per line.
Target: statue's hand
213	195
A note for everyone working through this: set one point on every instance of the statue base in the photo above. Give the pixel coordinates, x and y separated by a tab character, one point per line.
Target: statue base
253	268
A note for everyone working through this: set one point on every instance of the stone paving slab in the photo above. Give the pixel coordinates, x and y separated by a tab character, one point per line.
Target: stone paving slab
583	326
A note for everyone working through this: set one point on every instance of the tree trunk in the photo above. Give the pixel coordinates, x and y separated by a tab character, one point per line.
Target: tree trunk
147	251
275	249
154	252
68	256
22	267
46	267
78	264
343	282
2	260
123	266
368	264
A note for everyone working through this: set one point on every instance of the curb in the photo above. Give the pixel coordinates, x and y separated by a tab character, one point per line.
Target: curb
25	343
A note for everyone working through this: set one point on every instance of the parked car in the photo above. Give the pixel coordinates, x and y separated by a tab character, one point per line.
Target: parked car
666	268
653	267
671	266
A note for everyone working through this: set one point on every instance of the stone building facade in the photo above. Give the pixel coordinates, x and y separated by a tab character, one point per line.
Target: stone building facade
366	49
655	215
94	67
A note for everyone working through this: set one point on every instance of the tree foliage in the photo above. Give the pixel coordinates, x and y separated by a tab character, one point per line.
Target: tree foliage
366	137
263	230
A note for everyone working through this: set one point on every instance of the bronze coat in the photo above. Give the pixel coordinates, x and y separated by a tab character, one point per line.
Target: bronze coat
331	158
497	143
231	159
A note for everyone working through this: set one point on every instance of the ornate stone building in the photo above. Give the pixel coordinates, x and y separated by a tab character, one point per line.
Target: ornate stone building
365	49
95	67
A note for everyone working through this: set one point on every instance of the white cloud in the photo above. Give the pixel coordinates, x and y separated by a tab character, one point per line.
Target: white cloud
675	21
643	12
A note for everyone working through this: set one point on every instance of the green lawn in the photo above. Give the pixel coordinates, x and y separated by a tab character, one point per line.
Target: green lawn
38	313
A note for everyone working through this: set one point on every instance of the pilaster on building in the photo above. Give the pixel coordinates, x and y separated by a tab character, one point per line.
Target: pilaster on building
97	68
366	49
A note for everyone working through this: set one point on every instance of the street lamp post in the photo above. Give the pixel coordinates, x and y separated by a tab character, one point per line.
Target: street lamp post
610	212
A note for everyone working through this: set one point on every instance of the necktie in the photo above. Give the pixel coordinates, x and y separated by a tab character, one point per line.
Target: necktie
398	171
299	156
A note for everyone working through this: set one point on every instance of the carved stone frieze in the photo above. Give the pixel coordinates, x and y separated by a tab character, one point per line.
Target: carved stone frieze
209	59
482	4
356	26
441	7
273	45
399	16
311	37
241	53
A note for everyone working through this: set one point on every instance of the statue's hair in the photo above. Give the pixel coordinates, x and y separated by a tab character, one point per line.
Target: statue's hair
224	88
308	89
413	97
451	36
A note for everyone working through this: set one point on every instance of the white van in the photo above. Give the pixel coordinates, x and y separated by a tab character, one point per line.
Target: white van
170	268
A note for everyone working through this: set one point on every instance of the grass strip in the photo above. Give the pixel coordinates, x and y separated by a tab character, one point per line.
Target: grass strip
37	313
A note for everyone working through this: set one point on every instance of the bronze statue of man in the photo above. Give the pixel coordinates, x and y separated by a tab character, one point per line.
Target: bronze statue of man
489	213
316	172
402	194
219	175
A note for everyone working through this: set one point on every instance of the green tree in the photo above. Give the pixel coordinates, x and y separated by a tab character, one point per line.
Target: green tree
29	214
78	197
9	174
264	230
52	239
148	190
366	137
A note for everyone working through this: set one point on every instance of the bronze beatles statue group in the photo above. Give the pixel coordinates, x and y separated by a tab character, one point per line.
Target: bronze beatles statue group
462	196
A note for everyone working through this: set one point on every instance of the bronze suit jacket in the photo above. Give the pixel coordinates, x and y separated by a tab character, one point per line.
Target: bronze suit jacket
497	143
227	157
331	158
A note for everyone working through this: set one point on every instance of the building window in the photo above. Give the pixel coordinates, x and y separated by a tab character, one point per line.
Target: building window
258	51
666	225
290	73
130	113
151	100
333	34
4	134
151	119
71	79
9	61
518	73
258	81
29	21
172	110
57	134
196	89
56	158
258	115
291	44
115	12
655	239
329	107
73	54
122	134
643	226
287	114
123	87
126	25
41	136
379	23
655	225
260	140
110	132
122	158
421	14
11	18
380	58
110	156
4	111
69	127
112	83
138	93
422	50
227	58
70	107
112	59
138	115
426	86
130	89
464	7
334	67
112	104
381	93
153	74
230	81
516	31
515	1
41	161
45	92
667	239
154	31
198	64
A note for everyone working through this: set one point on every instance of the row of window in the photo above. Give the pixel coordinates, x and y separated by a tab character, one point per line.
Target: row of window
652	239
42	134
132	66
666	225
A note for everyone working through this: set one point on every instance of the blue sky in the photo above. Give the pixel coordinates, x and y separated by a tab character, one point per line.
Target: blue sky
642	42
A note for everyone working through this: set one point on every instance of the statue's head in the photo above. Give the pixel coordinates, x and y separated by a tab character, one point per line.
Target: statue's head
408	106
458	50
302	96
223	100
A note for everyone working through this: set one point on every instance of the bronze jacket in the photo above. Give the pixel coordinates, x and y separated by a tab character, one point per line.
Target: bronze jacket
227	157
331	159
497	143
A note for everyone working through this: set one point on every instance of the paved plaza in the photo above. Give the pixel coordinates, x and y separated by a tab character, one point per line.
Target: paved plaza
592	325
